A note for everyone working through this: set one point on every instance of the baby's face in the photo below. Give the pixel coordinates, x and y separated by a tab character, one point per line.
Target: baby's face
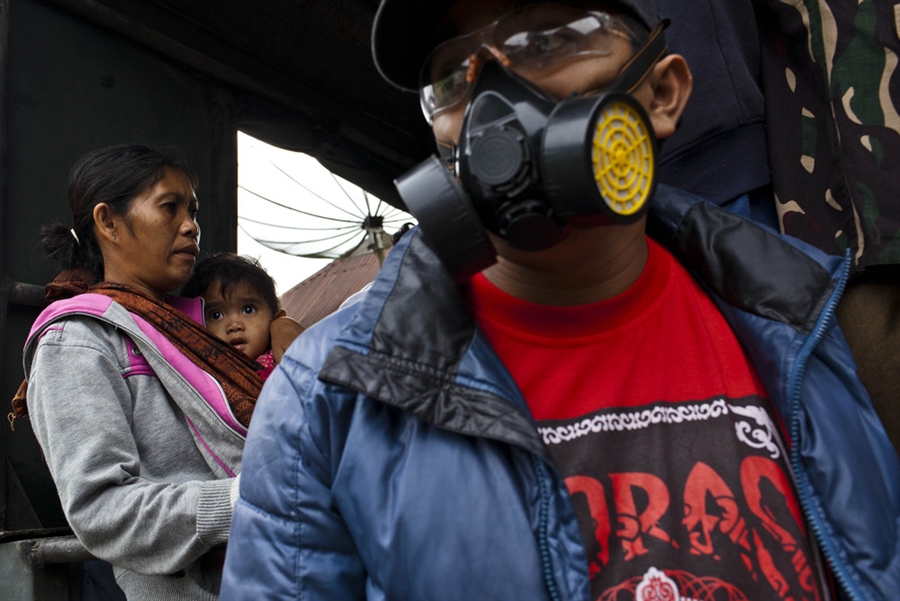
242	320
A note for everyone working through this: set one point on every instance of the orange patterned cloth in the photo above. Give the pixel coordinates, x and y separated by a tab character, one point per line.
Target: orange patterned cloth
235	372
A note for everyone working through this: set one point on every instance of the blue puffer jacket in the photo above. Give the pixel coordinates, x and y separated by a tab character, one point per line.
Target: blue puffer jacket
392	457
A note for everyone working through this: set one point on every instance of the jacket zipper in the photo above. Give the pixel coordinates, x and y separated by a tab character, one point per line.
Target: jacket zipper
840	571
543	544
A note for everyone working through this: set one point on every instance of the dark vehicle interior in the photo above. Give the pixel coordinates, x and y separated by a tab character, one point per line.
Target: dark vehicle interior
79	74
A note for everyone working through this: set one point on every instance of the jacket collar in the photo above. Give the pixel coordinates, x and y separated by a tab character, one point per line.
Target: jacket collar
413	345
746	265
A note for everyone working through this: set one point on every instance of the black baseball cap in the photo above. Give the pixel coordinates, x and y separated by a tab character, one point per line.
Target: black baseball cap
403	33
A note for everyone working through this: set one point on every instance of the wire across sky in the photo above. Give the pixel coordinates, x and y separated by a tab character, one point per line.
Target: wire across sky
290	203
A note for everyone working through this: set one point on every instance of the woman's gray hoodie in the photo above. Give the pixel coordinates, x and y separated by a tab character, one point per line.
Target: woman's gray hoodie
140	443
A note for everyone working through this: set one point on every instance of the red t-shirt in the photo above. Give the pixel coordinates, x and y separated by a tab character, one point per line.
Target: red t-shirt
665	437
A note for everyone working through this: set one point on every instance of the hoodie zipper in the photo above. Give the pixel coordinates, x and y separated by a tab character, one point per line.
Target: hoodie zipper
840	571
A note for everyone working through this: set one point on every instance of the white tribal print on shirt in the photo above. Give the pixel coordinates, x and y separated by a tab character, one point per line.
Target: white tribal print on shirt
686	500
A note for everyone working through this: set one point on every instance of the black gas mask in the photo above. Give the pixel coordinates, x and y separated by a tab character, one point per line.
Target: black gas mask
527	164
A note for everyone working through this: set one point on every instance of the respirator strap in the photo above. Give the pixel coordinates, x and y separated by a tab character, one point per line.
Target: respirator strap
447	151
636	70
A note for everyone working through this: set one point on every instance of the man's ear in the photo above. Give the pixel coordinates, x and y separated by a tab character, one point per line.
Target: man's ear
670	83
280	313
104	223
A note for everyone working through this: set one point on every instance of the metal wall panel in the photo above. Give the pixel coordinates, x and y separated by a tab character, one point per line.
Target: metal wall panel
70	87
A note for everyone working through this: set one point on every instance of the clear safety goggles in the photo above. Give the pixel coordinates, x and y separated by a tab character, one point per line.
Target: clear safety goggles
529	40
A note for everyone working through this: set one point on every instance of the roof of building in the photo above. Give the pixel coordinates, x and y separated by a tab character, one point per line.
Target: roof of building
323	292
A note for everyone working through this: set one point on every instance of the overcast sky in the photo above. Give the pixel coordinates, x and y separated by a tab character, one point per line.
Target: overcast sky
290	200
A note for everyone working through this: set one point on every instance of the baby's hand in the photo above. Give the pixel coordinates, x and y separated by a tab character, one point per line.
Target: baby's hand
282	331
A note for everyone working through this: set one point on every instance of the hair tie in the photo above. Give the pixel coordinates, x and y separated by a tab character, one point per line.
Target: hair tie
74	235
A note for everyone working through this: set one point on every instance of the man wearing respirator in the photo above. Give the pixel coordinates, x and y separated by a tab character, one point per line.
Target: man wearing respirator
570	382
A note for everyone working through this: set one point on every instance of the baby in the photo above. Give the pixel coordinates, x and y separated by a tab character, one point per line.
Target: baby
240	304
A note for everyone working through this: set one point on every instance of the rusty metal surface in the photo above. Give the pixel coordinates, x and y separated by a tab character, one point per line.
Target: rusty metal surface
323	292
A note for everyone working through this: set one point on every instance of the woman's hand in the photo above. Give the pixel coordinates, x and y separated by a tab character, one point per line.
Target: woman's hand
283	330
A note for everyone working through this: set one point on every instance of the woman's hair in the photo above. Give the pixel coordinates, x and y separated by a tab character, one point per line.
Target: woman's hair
231	269
114	175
